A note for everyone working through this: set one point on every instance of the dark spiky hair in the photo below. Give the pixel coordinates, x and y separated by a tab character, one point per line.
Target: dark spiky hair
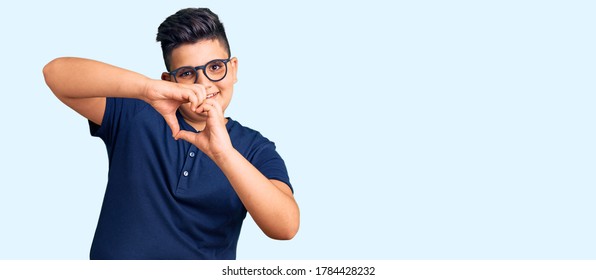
189	26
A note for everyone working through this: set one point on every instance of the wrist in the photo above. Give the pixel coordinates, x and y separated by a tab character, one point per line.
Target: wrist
131	85
226	156
143	90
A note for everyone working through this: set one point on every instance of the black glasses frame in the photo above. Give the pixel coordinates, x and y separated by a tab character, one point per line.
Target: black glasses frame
202	67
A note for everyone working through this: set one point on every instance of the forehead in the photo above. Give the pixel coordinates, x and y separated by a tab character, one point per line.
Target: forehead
199	53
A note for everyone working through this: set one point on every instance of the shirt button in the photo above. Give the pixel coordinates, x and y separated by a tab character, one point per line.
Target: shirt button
192	154
185	173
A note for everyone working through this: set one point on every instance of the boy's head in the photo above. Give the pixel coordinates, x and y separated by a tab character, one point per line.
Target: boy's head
196	51
189	26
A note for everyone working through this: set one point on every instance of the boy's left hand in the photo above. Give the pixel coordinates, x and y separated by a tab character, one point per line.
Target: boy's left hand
214	140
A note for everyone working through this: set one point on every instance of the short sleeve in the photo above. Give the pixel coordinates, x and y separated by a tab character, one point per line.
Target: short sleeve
117	114
268	161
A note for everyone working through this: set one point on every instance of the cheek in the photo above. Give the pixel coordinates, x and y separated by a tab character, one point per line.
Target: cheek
222	87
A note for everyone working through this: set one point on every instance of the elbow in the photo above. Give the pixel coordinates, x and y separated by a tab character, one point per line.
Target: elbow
286	230
51	74
283	234
49	70
289	235
286	234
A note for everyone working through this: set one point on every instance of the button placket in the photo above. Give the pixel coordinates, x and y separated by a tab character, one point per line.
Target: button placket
192	155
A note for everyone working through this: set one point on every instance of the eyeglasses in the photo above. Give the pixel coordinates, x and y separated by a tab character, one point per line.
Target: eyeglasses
215	70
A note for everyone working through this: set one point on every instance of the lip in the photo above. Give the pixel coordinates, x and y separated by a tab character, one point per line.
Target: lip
211	95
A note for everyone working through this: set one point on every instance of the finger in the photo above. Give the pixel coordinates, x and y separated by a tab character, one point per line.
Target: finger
178	92
215	108
201	108
172	122
192	98
206	107
201	93
186	136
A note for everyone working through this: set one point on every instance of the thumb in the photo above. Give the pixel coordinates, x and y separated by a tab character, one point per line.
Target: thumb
186	136
172	122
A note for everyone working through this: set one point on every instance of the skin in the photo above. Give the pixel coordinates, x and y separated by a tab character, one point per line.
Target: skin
84	84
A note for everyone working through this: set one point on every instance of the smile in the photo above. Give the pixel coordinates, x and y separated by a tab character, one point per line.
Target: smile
212	95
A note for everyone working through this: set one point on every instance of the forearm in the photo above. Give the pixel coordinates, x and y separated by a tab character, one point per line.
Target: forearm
72	78
275	211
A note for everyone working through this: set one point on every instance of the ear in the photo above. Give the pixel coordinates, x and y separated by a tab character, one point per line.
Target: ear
166	76
234	67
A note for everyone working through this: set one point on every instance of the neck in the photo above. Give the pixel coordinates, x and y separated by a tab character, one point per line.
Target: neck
198	122
198	126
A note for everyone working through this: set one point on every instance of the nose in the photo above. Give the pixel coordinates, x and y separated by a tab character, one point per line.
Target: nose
203	80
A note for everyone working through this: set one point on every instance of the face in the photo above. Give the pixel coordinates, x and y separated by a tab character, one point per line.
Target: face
199	54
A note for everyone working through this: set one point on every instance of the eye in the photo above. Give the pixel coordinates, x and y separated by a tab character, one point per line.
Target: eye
185	73
215	66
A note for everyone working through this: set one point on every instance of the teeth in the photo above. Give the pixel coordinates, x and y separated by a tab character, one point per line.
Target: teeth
211	95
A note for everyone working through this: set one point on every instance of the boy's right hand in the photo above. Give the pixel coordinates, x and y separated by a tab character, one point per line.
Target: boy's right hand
167	96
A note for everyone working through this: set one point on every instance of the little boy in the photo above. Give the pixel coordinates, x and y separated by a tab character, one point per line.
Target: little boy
167	198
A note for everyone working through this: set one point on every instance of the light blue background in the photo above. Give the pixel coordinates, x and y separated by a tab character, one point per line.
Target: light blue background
411	129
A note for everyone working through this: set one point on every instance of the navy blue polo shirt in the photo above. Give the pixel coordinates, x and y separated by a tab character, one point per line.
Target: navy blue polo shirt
165	199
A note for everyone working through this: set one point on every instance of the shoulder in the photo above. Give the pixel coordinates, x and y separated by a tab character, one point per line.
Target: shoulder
259	151
240	132
118	113
246	139
124	110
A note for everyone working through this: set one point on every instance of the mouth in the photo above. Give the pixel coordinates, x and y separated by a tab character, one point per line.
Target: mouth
212	95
